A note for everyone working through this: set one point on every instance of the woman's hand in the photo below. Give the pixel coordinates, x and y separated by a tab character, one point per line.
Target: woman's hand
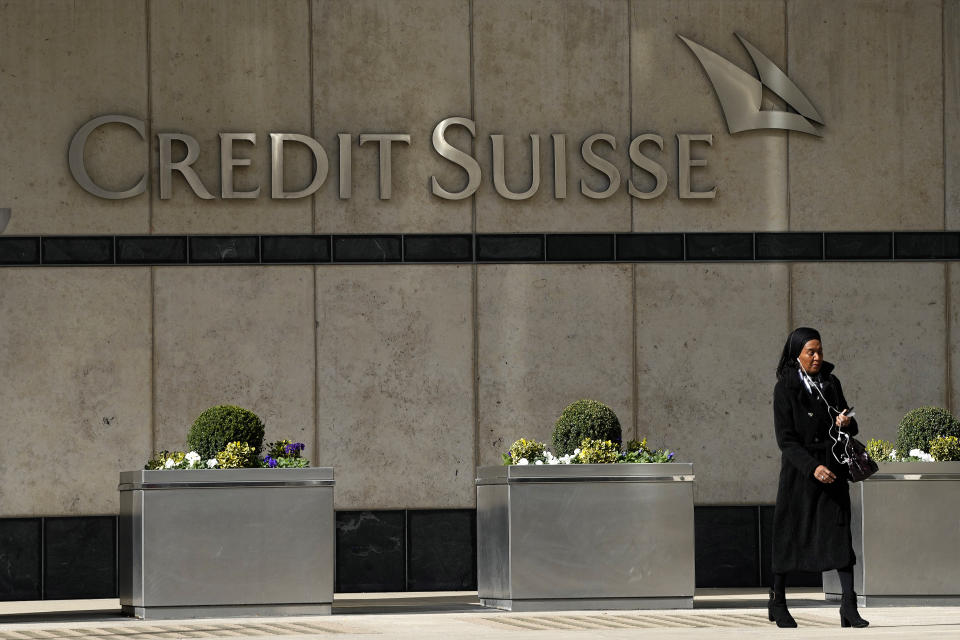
843	419
824	475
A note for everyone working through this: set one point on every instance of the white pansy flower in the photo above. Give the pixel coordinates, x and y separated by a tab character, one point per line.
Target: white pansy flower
920	453
538	462
211	463
523	461
192	457
169	463
576	451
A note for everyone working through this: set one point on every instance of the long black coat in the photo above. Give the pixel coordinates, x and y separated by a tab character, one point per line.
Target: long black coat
811	523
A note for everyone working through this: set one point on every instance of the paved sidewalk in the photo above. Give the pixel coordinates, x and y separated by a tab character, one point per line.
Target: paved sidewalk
719	614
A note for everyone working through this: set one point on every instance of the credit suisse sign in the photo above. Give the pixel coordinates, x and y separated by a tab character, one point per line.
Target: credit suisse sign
738	92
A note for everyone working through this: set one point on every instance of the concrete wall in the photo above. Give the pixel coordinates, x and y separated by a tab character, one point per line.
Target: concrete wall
417	373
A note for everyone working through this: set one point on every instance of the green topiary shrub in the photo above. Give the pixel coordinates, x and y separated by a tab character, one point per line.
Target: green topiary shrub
217	426
585	419
922	425
945	448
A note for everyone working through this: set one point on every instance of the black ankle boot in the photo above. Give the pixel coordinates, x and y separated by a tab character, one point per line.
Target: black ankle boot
777	612
849	616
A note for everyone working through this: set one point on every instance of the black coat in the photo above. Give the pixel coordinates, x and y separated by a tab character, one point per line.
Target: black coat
811	523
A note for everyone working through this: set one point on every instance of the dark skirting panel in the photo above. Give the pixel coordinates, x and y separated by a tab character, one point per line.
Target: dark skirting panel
510	248
303	249
370	551
795	579
649	247
858	246
225	249
367	249
789	246
19	250
151	249
727	546
442	550
438	248
926	246
80	557
77	250
719	246
20	559
588	247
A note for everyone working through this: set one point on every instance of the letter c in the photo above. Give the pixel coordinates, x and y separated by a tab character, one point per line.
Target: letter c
79	170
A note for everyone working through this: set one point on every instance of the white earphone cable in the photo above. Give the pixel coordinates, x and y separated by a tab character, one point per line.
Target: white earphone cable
810	383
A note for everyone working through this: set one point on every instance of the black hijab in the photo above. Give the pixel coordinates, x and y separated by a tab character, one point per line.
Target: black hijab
795	341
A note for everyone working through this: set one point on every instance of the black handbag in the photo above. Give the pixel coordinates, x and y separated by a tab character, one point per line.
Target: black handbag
859	463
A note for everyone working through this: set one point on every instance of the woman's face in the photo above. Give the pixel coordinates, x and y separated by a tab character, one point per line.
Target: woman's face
811	357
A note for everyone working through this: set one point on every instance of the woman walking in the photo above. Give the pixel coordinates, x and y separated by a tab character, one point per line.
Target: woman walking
811	522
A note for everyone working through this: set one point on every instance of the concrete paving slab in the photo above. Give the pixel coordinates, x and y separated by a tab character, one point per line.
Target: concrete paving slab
718	614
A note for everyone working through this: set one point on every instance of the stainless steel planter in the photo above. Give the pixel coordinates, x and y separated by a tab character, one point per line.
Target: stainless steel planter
906	529
592	536
232	542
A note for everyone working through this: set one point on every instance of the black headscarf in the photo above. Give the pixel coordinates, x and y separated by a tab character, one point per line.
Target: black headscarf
795	341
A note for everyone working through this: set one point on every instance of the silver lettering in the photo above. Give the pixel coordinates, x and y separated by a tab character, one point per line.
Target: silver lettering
386	141
228	162
500	184
683	152
456	156
559	166
167	166
346	165
79	170
648	165
277	141
603	166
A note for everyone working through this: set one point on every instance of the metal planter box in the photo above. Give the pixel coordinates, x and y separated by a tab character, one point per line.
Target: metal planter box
590	536
231	542
905	522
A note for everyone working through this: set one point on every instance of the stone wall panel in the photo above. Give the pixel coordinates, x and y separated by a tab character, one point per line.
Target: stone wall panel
671	95
708	340
542	68
62	63
951	112
235	335
386	67
874	71
75	355
549	335
884	326
232	67
394	385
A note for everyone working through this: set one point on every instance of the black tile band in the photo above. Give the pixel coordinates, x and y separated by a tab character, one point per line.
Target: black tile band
76	250
367	248
760	246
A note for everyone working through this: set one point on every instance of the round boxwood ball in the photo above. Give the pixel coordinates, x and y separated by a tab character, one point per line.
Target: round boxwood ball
922	425
584	419
217	426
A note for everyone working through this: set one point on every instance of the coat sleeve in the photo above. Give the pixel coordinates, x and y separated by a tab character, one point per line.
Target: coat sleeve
788	439
853	428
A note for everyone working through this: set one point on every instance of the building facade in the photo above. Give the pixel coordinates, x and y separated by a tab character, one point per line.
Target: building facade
485	210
